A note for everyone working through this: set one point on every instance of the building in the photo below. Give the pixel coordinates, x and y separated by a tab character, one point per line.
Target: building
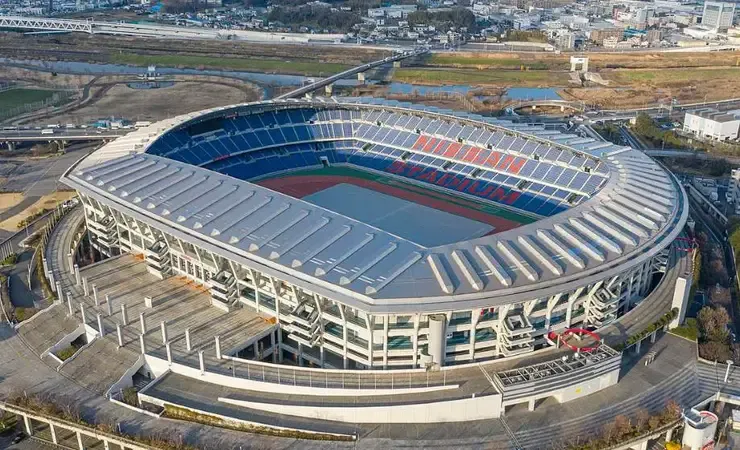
653	36
566	41
598	36
589	225
712	124
718	15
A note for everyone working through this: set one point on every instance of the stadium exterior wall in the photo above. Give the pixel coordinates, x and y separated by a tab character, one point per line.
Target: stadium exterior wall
349	336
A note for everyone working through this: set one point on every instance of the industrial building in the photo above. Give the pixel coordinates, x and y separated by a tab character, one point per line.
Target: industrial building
712	124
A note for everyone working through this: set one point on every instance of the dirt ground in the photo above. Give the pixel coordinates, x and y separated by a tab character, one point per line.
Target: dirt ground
9	199
157	104
48	201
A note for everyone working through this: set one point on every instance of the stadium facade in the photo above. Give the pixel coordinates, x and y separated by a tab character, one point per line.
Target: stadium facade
183	192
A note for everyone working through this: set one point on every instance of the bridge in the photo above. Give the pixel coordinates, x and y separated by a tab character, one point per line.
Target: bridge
562	104
11	137
359	70
45	24
157	30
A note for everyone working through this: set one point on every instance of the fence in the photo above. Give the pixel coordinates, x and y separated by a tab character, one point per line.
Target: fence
56	99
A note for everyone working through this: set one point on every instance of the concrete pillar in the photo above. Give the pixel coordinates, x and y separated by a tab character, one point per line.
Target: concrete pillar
84	286
652	337
669	435
101	328
71	262
202	362
188	343
78	278
437	338
69	303
329	88
637	346
168	348
51	281
274	350
119	331
108	305
163	327
82	313
53	432
95	294
124	314
641	446
80	445
142	323
532	403
218	347
396	64
361	77
106	445
45	264
142	344
59	290
28	425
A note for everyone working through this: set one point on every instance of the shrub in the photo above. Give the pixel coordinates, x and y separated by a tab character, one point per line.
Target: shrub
130	396
66	353
9	260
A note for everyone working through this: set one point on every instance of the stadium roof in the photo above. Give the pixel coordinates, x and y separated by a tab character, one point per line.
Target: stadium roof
635	215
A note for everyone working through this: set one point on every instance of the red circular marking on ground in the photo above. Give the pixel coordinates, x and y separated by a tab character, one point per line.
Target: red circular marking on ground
300	186
577	332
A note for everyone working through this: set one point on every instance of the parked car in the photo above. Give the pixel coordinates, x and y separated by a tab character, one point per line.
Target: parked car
19	437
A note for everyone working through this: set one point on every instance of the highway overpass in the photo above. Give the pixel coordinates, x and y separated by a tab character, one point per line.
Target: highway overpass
348	73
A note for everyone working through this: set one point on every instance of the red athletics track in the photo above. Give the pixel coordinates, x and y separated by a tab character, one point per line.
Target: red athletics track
300	186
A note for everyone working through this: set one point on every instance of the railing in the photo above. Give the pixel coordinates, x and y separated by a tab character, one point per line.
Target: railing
56	99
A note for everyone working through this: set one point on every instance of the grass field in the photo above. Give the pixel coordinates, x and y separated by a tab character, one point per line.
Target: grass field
467	202
477	61
480	77
19	97
663	76
245	64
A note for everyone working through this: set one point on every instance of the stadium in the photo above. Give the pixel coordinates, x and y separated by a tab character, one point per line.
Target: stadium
385	235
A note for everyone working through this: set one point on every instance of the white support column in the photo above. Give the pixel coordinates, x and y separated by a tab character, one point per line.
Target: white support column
124	314
109	305
168	347
385	341
218	347
188	342
71	263
59	290
80	445
53	432
202	362
142	322
163	327
69	303
106	444
95	294
28	425
101	328
82	313
142	344
78	278
51	281
84	286
119	331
